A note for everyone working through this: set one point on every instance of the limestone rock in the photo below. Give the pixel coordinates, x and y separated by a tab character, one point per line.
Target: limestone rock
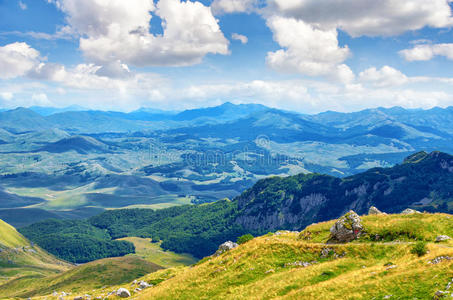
226	247
375	211
442	238
347	228
144	285
410	211
123	293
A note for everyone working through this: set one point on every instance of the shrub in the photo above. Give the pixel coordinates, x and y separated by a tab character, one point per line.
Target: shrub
245	238
419	248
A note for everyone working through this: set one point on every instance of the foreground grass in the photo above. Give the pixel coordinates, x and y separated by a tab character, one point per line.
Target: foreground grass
93	275
368	268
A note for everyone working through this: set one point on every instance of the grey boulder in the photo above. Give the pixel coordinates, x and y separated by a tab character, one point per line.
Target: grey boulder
123	293
347	228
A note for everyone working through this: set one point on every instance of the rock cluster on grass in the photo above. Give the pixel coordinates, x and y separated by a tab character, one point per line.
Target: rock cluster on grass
302	264
446	293
123	293
326	252
410	211
143	285
280	232
440	259
442	238
375	211
227	246
347	228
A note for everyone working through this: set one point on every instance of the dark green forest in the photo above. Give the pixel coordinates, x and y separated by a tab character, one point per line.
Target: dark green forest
76	241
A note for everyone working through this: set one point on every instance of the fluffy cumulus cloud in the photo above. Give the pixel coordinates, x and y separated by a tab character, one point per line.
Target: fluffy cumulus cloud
17	59
239	37
233	6
117	30
307	30
368	17
384	77
427	52
307	50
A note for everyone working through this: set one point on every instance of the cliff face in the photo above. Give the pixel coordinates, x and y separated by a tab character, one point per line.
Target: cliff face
423	181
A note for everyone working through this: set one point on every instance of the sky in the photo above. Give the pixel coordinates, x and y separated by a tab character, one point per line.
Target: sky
307	56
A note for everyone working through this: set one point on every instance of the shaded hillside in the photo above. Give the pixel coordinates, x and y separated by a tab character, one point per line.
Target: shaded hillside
79	144
424	181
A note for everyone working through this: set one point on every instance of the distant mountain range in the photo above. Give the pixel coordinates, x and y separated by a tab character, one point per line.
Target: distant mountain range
61	160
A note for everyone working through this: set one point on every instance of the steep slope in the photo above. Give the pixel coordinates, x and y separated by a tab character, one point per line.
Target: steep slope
424	183
19	258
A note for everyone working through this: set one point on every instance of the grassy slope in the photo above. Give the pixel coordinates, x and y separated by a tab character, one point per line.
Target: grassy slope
244	272
152	252
256	269
20	259
93	275
10	238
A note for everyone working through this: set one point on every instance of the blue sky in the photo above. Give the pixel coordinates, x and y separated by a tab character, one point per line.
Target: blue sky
302	55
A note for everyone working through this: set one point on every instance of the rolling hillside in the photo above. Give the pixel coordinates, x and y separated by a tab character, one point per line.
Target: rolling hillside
423	182
19	258
94	275
404	263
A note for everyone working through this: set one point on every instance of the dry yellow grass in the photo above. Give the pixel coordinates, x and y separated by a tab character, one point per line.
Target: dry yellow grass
363	269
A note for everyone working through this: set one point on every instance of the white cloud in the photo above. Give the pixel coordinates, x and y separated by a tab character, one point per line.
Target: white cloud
384	77
118	30
307	50
22	5
40	99
117	78
16	60
367	17
64	33
239	37
233	6
427	52
7	95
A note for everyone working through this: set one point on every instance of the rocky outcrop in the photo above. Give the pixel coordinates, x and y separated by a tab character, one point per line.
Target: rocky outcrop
123	293
347	228
227	246
375	211
442	238
143	285
410	211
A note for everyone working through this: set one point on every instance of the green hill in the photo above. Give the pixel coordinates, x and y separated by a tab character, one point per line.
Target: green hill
304	265
94	275
19	258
